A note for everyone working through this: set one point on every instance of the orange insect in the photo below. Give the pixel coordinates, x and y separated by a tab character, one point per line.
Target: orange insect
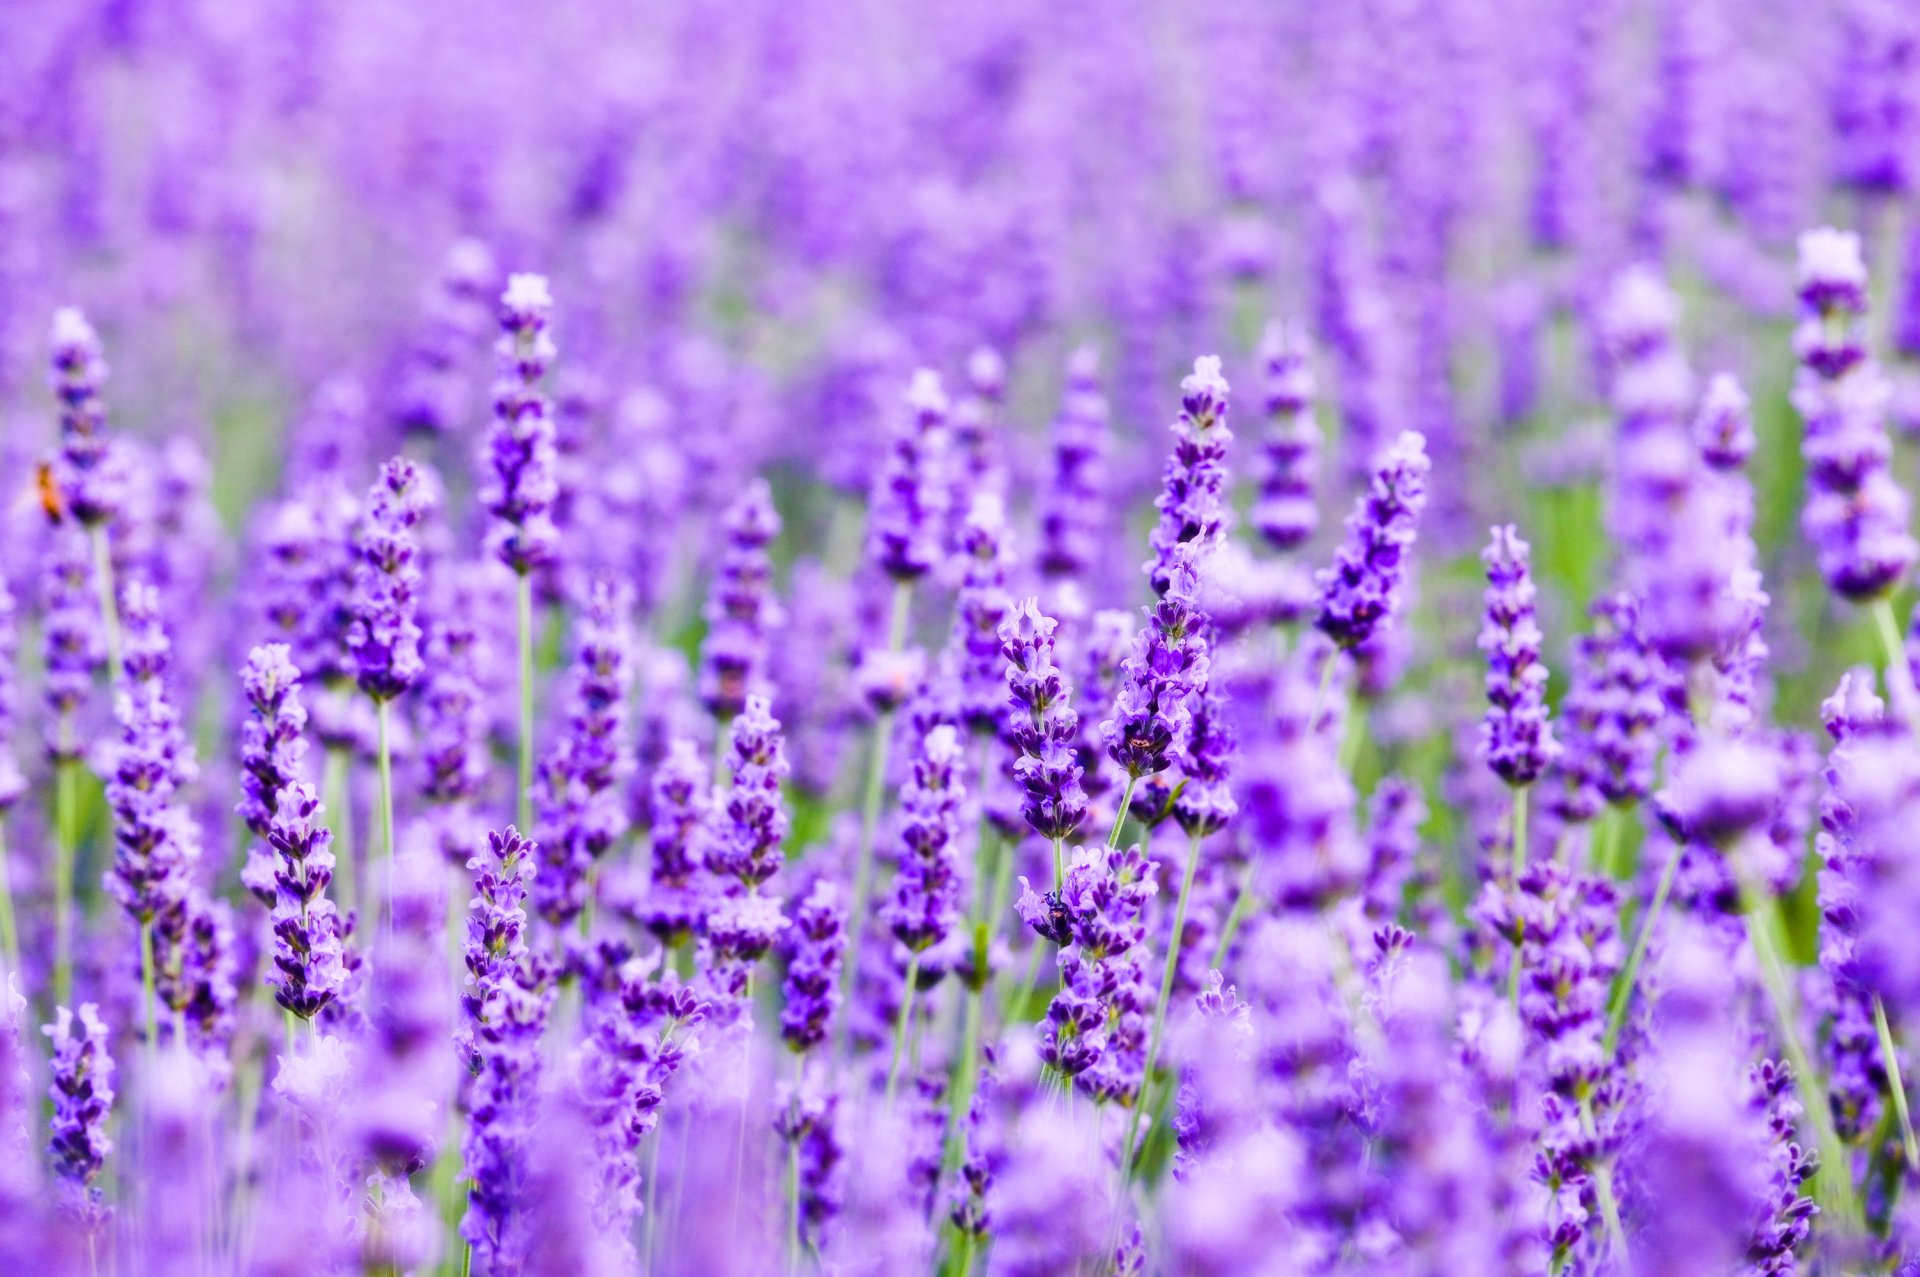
48	488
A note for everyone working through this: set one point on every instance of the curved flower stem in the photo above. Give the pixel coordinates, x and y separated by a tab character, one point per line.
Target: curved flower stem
1119	819
109	600
1623	992
523	622
900	1027
66	843
1894	1083
1160	1007
1833	1184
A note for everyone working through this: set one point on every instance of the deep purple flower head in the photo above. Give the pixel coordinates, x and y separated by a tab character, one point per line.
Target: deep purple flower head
522	482
306	928
273	751
905	521
384	637
928	890
1723	427
91	474
1856	515
1191	501
1516	738
1169	663
679	841
1074	515
742	612
749	843
812	987
155	840
1611	714
1204	803
1041	724
82	1092
1285	512
1361	591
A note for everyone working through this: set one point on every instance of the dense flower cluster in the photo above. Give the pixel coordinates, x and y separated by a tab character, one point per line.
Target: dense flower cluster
854	770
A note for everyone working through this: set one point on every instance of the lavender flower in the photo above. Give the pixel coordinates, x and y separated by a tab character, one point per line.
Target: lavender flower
812	987
82	1093
155	844
1856	516
1169	662
742	611
1285	513
521	485
272	753
979	613
90	477
748	848
1516	738
928	890
674	902
1723	428
1361	590
905	523
1611	714
1192	512
1204	803
384	637
306	929
582	779
506	1004
1041	724
1073	515
431	396
12	783
71	638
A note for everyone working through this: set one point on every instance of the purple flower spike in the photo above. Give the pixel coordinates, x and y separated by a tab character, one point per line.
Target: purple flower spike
742	611
583	779
1041	725
928	890
980	611
1361	591
12	783
1192	510
1724	426
1073	516
272	753
1285	513
155	844
82	1091
748	849
522	483
71	638
812	988
1169	662
308	965
905	523
1856	515
384	637
90	475
1516	738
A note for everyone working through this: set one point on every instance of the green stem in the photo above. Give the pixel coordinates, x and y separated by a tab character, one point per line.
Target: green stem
1899	673
1899	1088
9	934
900	1028
793	1206
109	600
146	992
1160	1007
1519	867
870	806
1833	1183
66	845
1024	990
1119	819
523	610
336	795
1606	842
1603	1186
961	1089
1623	992
382	713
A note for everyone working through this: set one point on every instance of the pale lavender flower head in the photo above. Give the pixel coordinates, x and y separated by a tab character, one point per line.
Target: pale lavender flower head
1074	513
1191	501
82	1093
928	894
90	474
1516	737
742	612
521	465
12	782
1361	591
979	612
907	512
1723	427
1285	512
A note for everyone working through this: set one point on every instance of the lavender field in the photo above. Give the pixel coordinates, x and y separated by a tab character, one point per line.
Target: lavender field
1195	638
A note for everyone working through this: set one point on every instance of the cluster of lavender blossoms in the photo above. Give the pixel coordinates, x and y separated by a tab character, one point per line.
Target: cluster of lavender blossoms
973	725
